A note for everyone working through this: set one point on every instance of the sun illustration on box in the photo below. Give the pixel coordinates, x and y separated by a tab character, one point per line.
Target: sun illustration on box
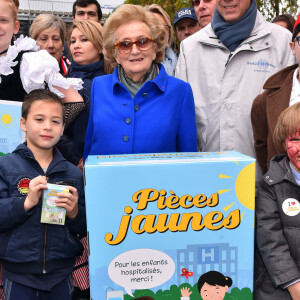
6	119
244	187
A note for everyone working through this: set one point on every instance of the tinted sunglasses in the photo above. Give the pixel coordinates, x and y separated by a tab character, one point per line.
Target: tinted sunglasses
196	2
143	43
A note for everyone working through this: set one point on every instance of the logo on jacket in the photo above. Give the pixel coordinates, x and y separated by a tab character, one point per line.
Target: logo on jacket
262	65
23	186
291	207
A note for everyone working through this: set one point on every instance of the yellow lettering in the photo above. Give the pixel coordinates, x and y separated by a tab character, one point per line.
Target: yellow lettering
144	196
233	220
200	201
123	229
183	199
212	218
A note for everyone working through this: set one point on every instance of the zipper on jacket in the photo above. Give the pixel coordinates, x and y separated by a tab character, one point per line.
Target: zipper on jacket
44	251
45	240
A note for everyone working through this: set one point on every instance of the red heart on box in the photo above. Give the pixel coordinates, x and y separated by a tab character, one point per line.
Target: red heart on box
293	203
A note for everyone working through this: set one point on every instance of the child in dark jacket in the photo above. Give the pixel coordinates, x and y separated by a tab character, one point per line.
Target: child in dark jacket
38	258
277	263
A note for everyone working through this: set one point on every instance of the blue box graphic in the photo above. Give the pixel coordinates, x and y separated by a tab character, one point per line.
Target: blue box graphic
157	222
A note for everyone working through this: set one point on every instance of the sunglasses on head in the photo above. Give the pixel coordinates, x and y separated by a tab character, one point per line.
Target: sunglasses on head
143	43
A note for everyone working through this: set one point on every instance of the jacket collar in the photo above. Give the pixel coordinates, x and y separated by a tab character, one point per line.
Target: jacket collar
279	170
58	162
84	71
278	100
280	79
160	81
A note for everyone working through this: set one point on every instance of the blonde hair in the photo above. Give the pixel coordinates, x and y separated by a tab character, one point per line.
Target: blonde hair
125	14
94	33
287	124
92	30
14	6
47	21
157	9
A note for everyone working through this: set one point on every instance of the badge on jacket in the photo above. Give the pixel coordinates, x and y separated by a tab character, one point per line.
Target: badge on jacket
291	207
23	186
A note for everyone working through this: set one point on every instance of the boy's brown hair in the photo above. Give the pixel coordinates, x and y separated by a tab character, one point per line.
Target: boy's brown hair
40	95
287	124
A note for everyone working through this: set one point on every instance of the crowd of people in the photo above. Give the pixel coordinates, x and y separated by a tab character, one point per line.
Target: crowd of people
126	88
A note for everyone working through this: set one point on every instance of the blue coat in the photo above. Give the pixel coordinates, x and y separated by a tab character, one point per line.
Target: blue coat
27	245
160	118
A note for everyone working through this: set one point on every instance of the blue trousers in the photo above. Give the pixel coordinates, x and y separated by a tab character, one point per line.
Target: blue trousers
16	291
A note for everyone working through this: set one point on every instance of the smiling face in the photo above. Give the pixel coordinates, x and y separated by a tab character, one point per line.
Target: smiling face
43	125
50	40
82	50
232	10
136	63
8	26
204	11
213	292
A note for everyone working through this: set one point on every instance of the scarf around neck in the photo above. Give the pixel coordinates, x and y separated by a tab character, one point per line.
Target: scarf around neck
132	86
232	34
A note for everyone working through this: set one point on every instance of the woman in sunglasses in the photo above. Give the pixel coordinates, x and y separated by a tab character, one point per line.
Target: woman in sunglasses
139	108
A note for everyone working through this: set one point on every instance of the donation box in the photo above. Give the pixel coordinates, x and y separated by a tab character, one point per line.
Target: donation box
161	224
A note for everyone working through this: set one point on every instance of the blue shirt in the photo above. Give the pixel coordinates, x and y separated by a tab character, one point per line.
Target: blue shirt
160	118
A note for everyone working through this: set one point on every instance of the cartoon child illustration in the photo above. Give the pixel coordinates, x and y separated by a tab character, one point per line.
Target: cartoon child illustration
211	285
47	215
60	216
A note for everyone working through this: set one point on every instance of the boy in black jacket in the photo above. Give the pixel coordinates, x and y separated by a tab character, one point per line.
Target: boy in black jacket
38	258
277	264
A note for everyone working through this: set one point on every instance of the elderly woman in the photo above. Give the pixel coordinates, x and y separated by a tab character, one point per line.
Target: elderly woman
170	59
49	32
139	108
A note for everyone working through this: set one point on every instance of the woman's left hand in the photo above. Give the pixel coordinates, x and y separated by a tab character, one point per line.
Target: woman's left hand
69	201
71	95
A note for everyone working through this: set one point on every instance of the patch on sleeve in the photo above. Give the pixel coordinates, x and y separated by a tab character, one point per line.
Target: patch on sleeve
23	186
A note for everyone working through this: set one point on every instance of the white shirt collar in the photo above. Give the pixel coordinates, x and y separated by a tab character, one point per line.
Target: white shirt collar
295	94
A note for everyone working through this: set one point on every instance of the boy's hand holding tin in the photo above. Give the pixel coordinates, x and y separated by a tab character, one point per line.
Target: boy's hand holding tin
69	201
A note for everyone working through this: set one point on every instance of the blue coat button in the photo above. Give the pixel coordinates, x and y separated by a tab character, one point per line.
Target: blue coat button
128	121
145	94
125	138
136	107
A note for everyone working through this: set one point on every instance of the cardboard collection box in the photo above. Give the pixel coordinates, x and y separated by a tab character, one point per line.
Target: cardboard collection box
157	222
10	132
